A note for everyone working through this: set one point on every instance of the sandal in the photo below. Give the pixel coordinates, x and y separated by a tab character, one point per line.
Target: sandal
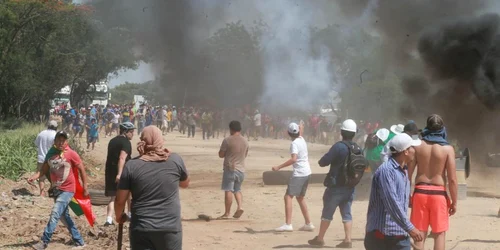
316	242
238	213
344	244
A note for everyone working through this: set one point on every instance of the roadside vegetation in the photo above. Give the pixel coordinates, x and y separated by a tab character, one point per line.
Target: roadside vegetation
18	153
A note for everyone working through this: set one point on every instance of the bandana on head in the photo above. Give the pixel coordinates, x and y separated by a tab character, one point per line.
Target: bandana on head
151	145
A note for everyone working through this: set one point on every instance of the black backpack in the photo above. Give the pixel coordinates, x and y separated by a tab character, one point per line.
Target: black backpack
352	170
354	166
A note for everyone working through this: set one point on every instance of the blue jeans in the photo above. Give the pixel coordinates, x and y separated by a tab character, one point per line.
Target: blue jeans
61	211
388	243
340	197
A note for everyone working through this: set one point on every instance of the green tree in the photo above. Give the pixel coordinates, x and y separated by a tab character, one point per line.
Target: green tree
46	45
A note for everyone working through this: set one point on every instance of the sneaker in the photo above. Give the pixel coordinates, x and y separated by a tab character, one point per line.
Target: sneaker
108	223
284	228
307	227
39	246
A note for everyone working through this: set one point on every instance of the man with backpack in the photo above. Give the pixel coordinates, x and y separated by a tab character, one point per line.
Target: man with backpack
347	165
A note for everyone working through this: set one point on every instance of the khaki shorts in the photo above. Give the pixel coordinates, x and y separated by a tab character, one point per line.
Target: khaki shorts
39	168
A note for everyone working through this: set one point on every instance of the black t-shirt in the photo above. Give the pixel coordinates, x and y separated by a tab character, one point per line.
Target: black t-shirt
155	193
115	146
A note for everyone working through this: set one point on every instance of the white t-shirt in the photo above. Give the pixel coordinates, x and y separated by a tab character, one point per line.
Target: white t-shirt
257	119
115	119
301	167
43	142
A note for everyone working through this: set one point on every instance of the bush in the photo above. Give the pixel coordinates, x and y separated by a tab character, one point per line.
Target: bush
18	153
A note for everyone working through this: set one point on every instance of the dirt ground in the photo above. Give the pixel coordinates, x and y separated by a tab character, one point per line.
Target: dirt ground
23	215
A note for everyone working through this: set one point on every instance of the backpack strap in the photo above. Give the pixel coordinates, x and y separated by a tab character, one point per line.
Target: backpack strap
347	144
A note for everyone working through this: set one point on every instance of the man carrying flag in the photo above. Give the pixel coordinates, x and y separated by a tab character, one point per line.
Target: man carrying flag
64	165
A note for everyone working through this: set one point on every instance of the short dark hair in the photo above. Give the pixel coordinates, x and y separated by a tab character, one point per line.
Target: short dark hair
435	122
294	135
235	126
347	135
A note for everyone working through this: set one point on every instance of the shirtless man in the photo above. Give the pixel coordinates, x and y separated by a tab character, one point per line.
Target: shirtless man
435	167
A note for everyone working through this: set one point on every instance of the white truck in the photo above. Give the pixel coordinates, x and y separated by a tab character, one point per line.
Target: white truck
96	94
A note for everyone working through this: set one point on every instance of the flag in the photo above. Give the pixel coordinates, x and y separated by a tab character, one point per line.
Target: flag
81	204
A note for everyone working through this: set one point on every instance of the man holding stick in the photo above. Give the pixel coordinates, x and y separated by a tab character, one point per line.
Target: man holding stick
153	179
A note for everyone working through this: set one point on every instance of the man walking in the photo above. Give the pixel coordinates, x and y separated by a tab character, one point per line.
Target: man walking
234	150
336	193
191	123
119	151
435	166
297	185
153	179
44	141
387	224
60	162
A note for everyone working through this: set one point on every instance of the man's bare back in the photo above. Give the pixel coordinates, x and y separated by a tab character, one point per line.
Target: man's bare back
434	162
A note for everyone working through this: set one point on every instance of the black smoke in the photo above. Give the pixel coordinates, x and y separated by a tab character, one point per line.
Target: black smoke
466	51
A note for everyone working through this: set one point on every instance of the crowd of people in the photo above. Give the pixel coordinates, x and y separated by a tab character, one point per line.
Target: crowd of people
212	122
151	181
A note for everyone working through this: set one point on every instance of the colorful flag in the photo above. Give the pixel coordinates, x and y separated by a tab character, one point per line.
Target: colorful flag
81	204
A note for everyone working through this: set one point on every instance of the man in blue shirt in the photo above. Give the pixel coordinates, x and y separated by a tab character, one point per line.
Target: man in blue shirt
336	194
388	225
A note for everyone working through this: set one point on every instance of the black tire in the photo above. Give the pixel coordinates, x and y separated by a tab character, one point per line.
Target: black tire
276	177
97	197
282	177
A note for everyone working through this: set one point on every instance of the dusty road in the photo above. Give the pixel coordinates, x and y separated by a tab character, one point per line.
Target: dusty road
23	216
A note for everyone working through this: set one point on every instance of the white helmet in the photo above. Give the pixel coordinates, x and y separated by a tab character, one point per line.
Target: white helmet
349	125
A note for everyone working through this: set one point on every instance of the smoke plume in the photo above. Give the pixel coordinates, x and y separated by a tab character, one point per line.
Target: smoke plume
293	78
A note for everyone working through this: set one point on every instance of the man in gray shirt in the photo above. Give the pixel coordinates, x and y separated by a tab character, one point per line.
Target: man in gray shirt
153	179
234	150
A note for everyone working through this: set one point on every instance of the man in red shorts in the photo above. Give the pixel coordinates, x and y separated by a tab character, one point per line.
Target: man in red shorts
435	166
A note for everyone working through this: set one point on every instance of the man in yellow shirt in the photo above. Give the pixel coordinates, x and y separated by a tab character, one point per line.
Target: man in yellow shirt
169	118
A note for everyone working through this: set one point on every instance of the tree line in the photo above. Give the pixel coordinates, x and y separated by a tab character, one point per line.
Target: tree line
46	45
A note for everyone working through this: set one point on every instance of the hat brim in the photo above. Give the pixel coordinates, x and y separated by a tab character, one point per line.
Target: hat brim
393	129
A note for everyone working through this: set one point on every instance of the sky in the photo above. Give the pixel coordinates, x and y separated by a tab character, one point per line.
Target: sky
142	74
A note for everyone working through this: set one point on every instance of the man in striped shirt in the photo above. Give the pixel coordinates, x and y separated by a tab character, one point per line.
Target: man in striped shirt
388	224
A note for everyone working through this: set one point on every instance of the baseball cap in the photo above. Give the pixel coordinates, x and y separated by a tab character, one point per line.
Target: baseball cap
62	133
53	123
293	128
401	142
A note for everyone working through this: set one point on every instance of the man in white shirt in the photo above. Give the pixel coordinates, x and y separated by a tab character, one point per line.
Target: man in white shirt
257	119
44	141
297	186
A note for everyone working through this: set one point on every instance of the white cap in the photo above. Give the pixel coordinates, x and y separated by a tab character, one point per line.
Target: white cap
53	123
398	129
349	125
383	134
401	142
293	128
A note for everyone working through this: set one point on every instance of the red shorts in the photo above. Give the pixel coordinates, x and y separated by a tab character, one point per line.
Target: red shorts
430	207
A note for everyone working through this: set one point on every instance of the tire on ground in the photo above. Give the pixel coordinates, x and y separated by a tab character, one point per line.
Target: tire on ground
97	197
282	177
